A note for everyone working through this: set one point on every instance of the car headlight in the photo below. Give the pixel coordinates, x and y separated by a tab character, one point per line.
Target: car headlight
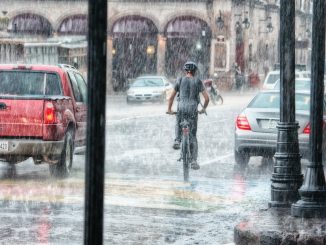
130	92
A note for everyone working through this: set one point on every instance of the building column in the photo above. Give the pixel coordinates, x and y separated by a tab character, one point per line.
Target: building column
2	53
161	48
8	53
212	58
109	88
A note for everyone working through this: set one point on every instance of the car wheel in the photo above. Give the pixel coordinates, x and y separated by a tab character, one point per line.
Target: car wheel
241	158
63	167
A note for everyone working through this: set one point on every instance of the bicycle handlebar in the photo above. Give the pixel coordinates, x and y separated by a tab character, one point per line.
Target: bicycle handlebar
175	113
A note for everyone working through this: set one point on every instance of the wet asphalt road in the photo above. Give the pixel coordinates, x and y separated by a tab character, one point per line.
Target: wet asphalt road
146	201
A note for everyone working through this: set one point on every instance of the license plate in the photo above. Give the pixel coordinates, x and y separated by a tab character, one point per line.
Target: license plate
268	124
4	146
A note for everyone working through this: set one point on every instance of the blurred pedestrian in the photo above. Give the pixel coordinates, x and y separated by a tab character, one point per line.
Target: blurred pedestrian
238	77
254	80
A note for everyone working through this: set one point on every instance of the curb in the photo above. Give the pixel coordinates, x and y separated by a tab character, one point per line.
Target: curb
276	226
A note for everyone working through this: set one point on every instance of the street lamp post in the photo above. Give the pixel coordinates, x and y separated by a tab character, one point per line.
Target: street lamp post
220	21
286	177
313	190
243	24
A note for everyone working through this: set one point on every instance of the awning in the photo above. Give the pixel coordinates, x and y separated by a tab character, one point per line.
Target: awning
30	23
187	26
131	26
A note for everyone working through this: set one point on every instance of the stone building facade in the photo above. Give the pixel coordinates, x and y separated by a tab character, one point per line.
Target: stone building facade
158	36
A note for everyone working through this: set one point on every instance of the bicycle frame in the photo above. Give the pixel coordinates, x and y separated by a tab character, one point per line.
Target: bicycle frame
185	149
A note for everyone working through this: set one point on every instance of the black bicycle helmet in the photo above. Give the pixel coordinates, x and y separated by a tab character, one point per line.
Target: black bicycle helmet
190	66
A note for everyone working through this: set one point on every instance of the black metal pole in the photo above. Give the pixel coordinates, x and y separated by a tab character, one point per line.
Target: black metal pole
95	151
287	177
313	190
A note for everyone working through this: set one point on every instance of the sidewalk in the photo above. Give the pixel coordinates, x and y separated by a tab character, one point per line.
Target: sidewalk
276	226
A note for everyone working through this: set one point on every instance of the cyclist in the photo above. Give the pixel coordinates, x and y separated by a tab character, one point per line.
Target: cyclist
188	88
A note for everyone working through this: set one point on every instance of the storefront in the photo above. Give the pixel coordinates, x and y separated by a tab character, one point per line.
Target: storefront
134	49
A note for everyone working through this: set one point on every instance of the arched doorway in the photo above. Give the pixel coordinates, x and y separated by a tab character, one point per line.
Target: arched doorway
28	23
74	25
188	38
134	49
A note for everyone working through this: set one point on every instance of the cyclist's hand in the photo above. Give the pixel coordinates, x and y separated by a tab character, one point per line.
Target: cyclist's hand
202	111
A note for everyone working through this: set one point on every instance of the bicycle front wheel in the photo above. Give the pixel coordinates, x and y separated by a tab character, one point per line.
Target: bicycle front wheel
185	158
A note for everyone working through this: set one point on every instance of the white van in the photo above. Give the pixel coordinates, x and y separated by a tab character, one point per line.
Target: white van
273	76
271	79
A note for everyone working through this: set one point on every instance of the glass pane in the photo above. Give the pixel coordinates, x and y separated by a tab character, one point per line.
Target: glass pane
148	197
42	125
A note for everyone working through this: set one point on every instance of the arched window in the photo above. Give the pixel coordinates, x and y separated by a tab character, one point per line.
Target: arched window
135	49
187	26
131	26
76	24
188	38
30	24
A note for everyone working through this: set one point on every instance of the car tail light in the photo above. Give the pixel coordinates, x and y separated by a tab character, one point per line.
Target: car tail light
306	130
242	122
49	113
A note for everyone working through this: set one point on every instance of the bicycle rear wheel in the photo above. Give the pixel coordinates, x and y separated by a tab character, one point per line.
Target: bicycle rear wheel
185	158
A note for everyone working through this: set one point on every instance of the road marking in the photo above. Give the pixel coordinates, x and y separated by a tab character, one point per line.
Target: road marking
160	194
217	159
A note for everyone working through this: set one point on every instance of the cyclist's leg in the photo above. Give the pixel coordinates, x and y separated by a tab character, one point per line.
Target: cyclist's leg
178	129
193	141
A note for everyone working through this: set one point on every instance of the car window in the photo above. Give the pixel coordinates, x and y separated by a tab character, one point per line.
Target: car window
29	83
272	78
148	82
74	84
300	84
21	83
272	101
53	85
266	100
82	86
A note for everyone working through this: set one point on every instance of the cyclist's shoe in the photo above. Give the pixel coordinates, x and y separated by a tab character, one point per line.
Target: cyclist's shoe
176	145
195	165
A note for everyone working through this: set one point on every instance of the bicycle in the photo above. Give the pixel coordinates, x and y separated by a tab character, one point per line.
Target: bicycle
185	154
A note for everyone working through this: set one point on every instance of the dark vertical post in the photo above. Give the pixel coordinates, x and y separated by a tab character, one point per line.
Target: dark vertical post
287	177
95	151
313	190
